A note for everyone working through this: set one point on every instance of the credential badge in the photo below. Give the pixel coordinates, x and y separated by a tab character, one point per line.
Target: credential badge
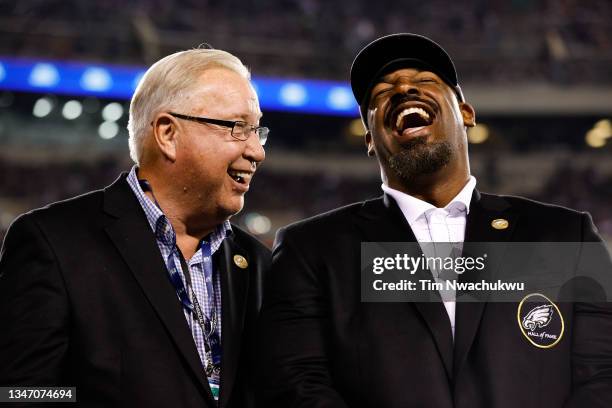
540	320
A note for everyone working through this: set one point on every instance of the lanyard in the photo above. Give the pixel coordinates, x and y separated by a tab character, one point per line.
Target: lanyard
173	271
208	324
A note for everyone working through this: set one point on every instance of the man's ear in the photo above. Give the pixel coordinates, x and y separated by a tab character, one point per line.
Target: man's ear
369	143
165	135
468	113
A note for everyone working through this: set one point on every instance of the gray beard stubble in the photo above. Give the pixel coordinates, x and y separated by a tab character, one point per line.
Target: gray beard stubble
418	157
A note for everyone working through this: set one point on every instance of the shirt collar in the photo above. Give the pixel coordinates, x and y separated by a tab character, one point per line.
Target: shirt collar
152	211
159	223
413	208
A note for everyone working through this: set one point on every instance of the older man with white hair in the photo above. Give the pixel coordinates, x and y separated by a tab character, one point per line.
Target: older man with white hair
143	293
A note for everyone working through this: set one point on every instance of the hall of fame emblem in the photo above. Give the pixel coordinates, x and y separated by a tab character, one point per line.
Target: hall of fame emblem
540	321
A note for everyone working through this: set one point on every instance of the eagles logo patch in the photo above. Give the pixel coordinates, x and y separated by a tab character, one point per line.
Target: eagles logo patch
540	320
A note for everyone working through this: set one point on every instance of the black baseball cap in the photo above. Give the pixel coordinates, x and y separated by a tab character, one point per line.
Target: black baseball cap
401	50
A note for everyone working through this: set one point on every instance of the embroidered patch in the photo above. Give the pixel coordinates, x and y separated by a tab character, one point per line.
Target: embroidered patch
540	320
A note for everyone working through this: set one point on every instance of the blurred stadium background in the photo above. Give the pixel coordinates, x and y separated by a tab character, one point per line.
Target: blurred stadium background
539	73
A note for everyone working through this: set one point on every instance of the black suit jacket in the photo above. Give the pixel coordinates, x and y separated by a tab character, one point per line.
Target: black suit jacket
323	347
85	301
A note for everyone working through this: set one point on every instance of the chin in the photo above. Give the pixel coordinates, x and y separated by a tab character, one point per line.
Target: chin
232	207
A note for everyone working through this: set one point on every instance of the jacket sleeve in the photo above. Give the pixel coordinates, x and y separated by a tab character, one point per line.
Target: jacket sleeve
293	339
33	309
592	331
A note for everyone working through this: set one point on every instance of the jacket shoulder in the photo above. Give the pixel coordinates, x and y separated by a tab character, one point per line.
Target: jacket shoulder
544	221
527	206
72	211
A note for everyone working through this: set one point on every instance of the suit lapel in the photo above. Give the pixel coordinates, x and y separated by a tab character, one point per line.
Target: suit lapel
382	221
133	238
234	288
484	209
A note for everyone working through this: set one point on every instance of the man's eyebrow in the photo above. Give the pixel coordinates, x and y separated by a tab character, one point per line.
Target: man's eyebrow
430	73
244	117
383	81
386	79
382	88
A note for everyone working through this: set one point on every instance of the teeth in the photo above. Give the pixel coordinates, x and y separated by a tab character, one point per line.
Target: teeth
408	111
241	174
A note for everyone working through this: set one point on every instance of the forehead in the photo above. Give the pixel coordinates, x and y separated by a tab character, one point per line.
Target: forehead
223	91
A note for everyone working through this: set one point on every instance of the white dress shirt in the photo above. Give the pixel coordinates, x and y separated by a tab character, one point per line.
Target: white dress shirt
432	224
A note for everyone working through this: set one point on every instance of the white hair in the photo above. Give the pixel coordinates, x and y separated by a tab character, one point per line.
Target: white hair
166	83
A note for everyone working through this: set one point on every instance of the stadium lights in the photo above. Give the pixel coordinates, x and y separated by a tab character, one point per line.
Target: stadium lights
340	98
478	134
72	109
42	107
43	75
293	94
604	127
257	224
599	134
112	112
96	79
108	130
356	128
119	82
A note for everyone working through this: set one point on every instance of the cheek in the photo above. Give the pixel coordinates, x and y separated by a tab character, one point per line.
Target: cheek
204	167
376	121
451	105
457	117
383	144
372	117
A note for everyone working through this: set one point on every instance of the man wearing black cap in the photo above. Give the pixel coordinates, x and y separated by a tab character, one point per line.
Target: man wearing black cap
322	346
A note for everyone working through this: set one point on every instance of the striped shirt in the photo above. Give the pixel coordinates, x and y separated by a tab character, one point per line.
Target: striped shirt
166	239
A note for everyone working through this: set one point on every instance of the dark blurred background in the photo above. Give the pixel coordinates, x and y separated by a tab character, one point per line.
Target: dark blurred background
539	74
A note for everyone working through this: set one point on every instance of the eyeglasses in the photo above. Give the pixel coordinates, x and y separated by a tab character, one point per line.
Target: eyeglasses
240	130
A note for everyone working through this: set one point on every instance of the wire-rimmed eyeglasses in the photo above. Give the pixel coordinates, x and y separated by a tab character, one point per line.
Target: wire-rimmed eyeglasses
240	130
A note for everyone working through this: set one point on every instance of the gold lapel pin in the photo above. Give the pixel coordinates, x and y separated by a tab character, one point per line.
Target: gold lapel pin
500	223
240	261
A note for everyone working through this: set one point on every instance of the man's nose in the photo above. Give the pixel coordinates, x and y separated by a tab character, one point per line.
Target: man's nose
254	150
403	92
406	88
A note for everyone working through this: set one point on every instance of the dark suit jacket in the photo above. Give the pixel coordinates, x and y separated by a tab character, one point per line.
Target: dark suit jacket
85	301
323	347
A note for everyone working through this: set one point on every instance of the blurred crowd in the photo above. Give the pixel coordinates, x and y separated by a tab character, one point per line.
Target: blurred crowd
282	196
500	41
584	190
563	41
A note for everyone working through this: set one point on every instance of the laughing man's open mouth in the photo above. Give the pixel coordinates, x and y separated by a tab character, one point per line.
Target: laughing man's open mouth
242	177
410	115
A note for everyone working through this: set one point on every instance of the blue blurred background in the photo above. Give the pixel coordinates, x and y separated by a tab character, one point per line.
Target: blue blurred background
539	74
